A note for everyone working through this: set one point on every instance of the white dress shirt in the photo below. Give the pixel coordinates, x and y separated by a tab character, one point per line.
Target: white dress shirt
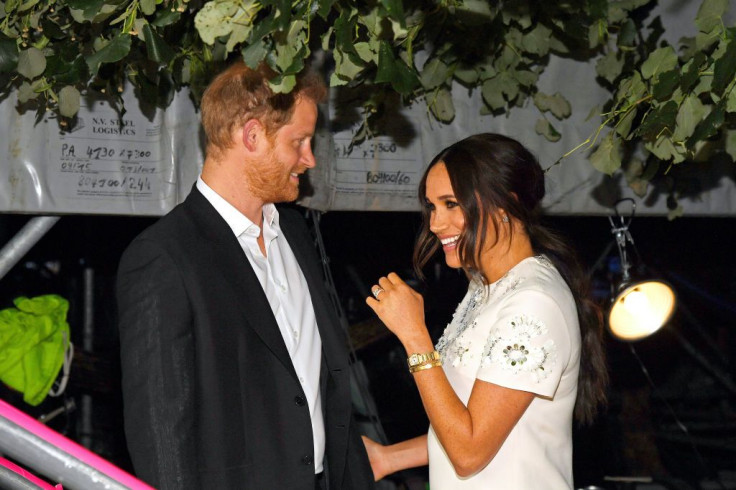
286	288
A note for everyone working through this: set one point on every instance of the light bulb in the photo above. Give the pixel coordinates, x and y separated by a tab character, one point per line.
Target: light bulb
636	302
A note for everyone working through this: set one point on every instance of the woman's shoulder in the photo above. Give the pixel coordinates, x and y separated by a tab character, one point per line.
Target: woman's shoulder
536	279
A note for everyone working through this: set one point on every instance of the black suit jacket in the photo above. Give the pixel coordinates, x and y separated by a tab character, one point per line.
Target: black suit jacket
211	398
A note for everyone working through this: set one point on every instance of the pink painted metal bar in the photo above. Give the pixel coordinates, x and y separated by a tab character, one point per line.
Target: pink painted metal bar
70	447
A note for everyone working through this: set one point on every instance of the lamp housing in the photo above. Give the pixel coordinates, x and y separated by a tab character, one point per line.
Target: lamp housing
641	308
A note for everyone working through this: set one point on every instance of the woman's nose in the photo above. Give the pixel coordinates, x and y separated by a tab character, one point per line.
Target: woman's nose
435	222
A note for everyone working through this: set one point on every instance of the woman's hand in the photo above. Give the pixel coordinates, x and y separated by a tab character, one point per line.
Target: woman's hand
400	308
378	458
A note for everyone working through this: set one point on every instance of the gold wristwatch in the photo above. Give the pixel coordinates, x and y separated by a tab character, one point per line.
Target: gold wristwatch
415	360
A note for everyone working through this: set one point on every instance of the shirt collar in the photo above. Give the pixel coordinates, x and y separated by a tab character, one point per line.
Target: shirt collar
236	220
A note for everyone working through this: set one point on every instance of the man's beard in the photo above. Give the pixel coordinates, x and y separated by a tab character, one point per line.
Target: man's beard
270	181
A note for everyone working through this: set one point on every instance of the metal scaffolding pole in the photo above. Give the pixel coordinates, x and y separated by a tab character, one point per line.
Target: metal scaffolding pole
22	242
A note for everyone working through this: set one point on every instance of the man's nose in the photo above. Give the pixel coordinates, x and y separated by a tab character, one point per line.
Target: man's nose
308	159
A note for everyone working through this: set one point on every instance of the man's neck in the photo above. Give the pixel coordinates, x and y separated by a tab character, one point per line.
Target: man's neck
233	188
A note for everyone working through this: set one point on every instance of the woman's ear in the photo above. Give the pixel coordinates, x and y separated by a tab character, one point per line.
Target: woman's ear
252	132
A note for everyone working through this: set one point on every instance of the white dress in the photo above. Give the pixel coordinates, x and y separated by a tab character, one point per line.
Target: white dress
520	332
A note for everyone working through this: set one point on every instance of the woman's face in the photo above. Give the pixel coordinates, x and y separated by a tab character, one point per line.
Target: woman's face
446	219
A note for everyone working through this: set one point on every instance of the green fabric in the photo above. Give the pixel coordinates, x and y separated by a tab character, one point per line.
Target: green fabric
33	338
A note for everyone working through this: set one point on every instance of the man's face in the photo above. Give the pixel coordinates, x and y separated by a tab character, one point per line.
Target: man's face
276	178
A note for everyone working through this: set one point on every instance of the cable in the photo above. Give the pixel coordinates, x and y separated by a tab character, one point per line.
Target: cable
677	420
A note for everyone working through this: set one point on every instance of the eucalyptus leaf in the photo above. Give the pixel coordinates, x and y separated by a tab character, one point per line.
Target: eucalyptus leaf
86	9
676	212
709	14
26	93
27	5
526	78
434	74
544	128
395	9
666	84
214	19
607	157
366	52
704	40
623	127
661	60
394	71
537	40
283	85
238	35
557	104
345	69
156	47
467	76
114	51
704	84
627	34
492	94
708	127
508	85
631	89
731	101
658	120
51	29
69	101
254	53
66	72
725	69
610	66
690	114
442	106
664	149
31	63
691	71
148	7
166	17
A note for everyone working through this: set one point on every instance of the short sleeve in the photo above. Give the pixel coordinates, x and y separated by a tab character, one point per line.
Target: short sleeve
528	345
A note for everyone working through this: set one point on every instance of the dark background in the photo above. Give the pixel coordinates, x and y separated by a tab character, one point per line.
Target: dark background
679	428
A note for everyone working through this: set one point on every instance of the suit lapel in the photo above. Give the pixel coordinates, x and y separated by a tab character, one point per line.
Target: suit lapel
233	266
335	374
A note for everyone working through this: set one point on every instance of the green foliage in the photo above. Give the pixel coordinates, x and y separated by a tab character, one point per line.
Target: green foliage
666	101
668	104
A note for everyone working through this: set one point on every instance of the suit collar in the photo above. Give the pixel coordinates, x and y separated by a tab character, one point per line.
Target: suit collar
233	266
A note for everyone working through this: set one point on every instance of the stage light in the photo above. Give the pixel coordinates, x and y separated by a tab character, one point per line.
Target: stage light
640	306
640	309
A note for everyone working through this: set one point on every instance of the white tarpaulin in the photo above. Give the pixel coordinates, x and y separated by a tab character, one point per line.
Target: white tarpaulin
137	166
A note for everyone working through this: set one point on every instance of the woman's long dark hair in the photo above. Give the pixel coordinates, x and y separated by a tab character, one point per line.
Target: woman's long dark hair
490	172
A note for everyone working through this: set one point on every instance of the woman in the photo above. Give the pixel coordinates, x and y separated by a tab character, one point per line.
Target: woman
523	350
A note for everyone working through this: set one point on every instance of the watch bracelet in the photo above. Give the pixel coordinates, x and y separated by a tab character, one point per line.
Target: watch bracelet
426	365
417	359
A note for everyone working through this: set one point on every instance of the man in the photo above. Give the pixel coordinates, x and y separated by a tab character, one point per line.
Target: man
235	372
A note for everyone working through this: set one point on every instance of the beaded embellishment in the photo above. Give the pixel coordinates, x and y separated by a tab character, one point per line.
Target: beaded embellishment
451	344
514	351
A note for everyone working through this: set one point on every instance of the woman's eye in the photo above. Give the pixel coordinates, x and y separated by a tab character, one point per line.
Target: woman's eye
451	204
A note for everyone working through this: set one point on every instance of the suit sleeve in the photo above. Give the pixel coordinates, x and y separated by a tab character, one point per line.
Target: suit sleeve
157	357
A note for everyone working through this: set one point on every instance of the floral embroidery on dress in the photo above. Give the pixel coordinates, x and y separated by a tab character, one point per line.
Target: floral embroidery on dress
515	352
450	345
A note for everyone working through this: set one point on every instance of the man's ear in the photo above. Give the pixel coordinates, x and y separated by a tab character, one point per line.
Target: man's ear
252	132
